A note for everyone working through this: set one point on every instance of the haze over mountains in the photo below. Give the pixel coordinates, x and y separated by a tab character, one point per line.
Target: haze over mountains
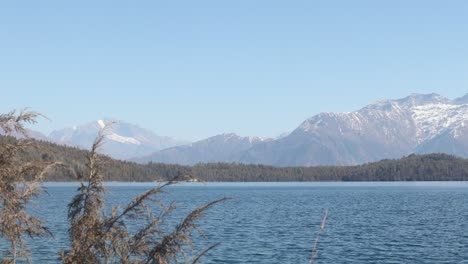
419	123
124	140
220	148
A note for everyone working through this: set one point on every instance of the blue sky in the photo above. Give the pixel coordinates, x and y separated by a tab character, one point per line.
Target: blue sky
193	69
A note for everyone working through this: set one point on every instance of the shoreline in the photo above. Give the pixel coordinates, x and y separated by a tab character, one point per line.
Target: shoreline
277	184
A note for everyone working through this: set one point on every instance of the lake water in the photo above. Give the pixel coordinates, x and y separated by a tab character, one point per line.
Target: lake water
277	222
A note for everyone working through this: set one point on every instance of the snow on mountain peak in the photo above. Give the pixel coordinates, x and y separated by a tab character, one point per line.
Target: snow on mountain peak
101	123
253	140
122	139
116	137
422	99
432	119
428	114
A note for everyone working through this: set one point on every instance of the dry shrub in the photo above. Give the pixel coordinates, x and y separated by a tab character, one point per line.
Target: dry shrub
19	184
97	237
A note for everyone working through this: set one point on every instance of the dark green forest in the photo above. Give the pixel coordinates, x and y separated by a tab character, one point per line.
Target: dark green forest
431	167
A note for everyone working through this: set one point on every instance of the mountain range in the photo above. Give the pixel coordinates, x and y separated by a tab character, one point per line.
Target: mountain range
123	140
419	123
220	148
386	129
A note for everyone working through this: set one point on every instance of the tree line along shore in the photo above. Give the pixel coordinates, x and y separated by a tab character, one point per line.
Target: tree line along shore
428	167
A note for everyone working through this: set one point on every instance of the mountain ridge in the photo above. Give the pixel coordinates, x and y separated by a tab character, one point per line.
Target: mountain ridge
220	148
391	128
124	140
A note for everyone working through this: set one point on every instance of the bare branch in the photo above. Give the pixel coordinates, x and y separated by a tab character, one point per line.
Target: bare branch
314	250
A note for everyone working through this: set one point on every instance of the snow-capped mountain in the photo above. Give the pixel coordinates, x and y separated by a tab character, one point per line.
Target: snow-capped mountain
220	148
123	140
421	123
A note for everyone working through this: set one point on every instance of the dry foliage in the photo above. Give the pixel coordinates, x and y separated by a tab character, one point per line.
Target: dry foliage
19	184
100	238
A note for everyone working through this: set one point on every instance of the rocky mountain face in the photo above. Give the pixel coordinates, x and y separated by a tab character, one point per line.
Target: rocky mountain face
419	123
123	140
220	148
386	129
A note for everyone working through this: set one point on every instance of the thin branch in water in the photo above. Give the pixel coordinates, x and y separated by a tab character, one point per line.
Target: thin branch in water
203	253
314	250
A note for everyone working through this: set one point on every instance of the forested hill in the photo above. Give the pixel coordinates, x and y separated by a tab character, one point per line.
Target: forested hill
431	167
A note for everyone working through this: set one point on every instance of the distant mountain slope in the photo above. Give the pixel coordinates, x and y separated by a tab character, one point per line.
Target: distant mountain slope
124	141
419	123
387	129
30	133
220	148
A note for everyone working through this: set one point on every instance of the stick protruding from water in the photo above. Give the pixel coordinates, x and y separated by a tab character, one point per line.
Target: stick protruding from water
314	250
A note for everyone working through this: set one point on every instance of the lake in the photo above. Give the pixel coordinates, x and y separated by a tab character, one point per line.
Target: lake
395	222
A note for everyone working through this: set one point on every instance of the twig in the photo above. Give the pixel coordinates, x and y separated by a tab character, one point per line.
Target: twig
314	251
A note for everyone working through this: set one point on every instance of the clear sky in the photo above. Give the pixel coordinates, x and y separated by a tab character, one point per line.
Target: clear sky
193	69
